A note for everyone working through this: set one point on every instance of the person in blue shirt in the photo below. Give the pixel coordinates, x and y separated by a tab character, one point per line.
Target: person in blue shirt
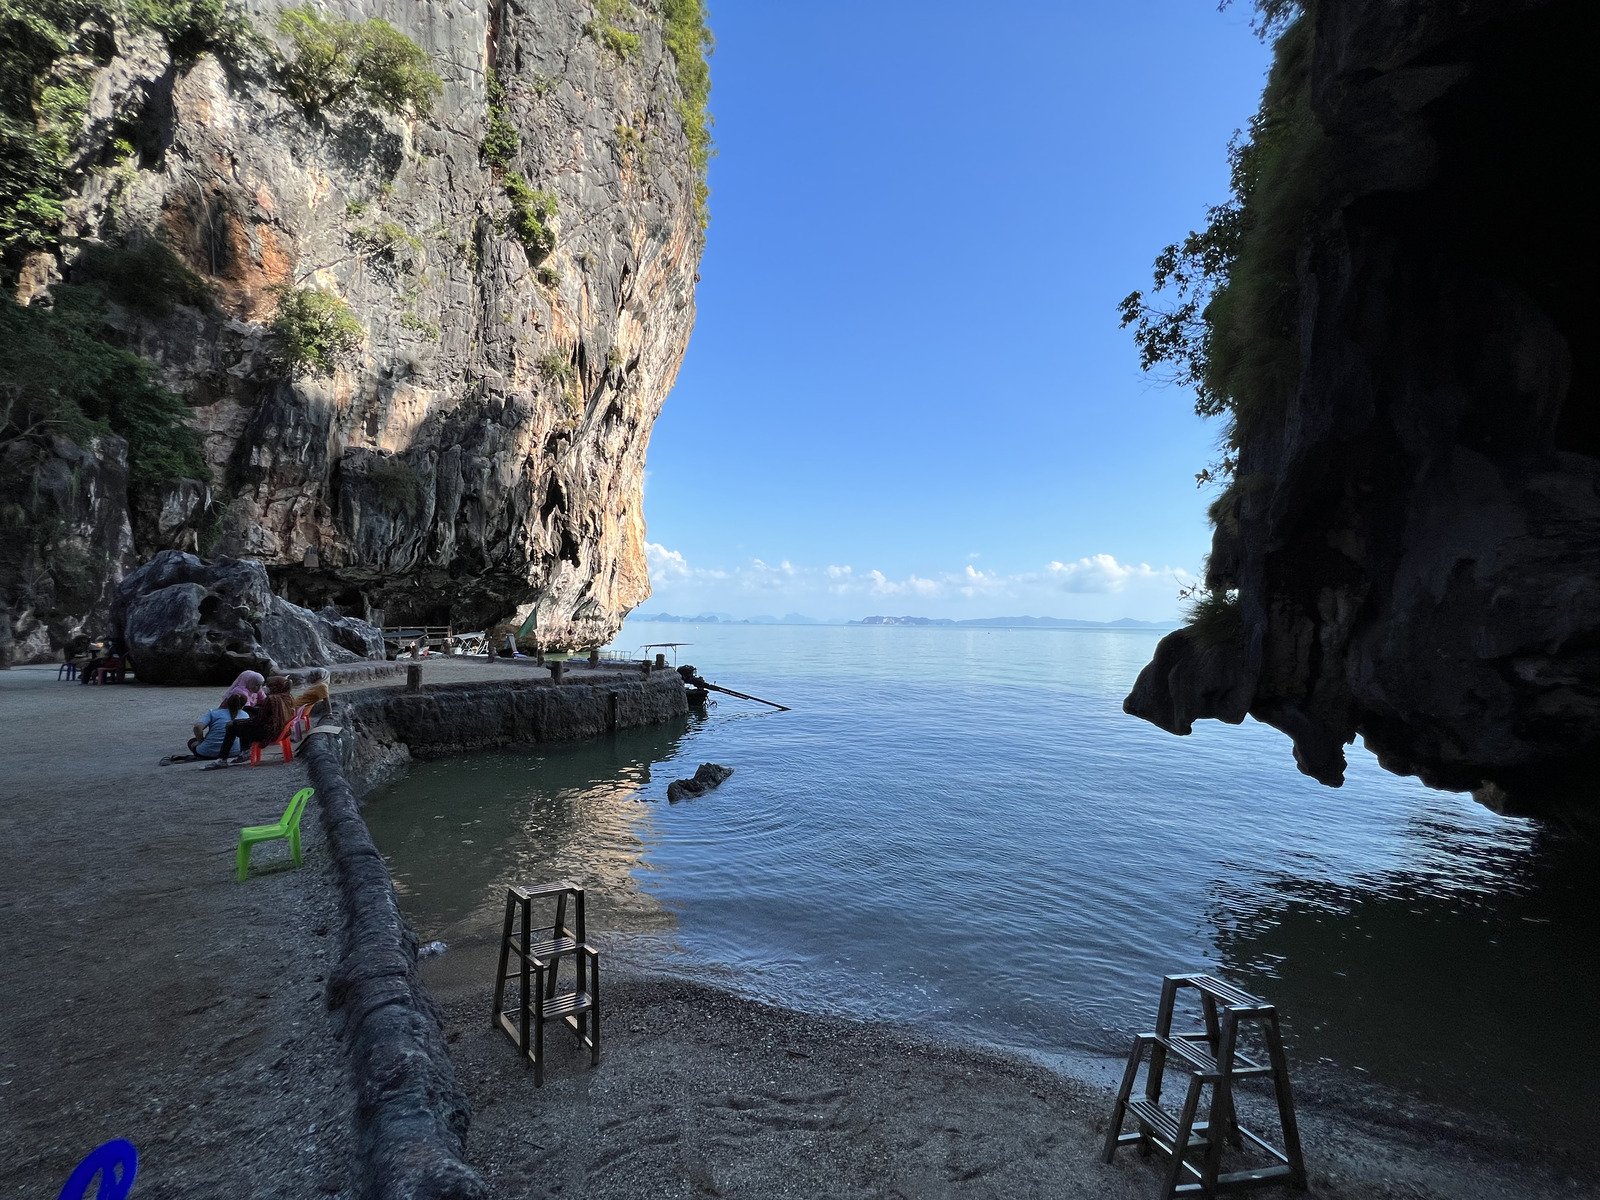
213	728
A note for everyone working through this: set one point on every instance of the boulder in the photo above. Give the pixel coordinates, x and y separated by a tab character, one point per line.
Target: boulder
188	621
361	638
707	777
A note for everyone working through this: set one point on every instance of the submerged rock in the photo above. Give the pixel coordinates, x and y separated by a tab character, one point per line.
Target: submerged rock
189	621
707	777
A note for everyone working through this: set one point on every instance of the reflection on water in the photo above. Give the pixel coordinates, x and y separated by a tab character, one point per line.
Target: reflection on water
1470	982
962	830
457	833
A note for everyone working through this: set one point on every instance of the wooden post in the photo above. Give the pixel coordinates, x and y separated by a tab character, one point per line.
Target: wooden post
413	678
594	657
555	666
661	661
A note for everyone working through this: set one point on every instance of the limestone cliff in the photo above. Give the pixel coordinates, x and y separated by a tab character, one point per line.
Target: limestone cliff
481	455
1413	533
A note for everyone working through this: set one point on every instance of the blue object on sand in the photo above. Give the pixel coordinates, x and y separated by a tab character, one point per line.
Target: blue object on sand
116	1163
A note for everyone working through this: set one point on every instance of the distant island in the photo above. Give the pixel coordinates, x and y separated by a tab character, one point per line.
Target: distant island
1020	622
667	618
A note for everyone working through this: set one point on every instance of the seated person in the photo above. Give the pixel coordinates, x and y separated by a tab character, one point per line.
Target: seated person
260	724
251	686
209	732
99	656
316	695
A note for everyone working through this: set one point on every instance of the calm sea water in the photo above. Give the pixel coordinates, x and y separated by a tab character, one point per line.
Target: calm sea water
961	829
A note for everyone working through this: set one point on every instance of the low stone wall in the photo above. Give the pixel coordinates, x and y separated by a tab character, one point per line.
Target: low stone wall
355	673
385	727
411	1118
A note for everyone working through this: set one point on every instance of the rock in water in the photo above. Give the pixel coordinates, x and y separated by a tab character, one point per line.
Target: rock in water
707	777
189	621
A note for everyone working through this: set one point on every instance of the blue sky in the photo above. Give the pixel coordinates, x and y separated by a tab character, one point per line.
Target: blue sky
906	391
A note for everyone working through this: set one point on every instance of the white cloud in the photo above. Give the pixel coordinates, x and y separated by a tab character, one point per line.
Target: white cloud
1101	573
836	589
911	585
664	563
973	582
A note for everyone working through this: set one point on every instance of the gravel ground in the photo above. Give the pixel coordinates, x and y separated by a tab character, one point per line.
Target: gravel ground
147	994
703	1093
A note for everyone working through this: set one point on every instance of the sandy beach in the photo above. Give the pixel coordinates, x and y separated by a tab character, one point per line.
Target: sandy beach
704	1093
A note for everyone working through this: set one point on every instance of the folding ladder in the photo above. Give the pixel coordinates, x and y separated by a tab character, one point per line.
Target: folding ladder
538	965
1213	1058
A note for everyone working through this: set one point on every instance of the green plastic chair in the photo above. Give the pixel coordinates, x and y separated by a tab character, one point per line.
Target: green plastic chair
288	827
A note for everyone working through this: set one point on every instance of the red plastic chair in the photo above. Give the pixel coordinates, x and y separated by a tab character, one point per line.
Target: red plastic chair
284	740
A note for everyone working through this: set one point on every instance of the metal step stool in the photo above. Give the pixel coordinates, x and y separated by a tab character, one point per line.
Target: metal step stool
1213	1059
540	961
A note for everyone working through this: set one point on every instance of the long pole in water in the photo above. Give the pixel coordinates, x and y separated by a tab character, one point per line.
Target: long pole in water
730	692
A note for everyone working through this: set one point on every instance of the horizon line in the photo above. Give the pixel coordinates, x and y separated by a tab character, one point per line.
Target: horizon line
723	618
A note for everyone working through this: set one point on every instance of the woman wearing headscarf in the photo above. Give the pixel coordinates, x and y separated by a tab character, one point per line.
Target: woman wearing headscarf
264	723
250	685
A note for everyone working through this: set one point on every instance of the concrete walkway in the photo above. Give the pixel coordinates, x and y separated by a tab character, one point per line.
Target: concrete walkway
146	994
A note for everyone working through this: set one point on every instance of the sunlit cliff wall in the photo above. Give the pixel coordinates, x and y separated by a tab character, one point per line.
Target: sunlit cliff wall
482	453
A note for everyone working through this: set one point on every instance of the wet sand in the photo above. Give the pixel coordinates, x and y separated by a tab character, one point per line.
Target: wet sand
704	1093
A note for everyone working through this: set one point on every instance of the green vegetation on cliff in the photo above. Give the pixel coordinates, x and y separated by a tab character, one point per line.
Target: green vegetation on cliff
531	210
61	376
531	213
501	143
335	61
146	277
1228	327
52	48
315	331
689	38
604	30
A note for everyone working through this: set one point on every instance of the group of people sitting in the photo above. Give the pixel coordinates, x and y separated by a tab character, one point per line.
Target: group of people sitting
254	711
110	655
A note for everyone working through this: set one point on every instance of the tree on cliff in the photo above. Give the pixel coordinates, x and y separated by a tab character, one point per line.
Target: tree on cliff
1224	323
336	61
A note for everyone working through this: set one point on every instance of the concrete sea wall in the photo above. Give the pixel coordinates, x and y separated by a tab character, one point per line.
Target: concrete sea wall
384	727
411	1118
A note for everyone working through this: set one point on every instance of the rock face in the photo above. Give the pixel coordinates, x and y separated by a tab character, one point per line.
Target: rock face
187	621
84	489
1415	538
481	458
